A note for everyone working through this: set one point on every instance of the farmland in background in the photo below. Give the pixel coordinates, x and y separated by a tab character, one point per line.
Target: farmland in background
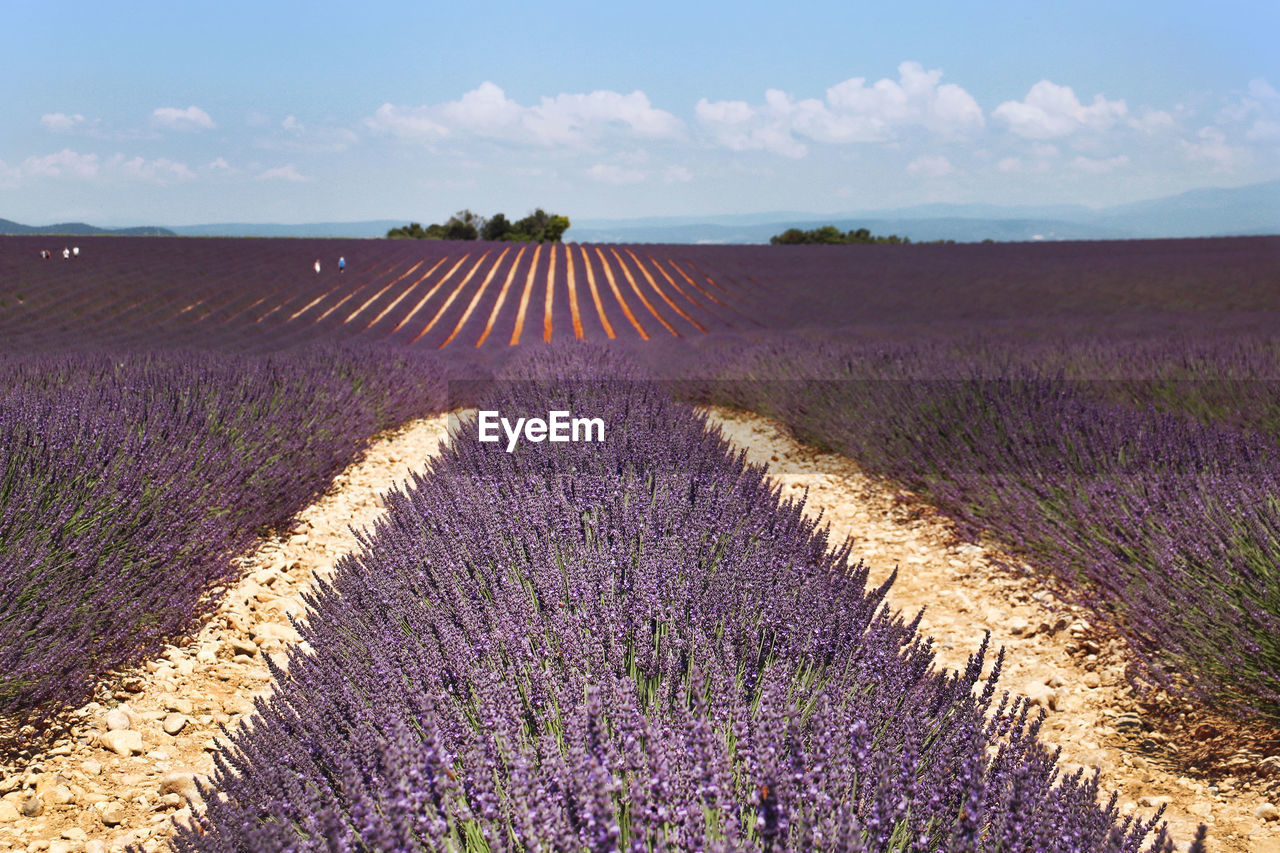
264	295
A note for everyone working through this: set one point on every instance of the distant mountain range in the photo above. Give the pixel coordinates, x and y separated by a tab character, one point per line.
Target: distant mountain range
1248	210
80	229
372	228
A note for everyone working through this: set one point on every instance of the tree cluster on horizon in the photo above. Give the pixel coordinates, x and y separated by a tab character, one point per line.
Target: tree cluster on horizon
829	234
537	227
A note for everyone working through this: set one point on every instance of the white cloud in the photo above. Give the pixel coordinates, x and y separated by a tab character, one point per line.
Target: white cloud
293	135
1152	121
931	166
677	175
61	122
566	120
1212	146
852	111
1051	111
65	163
160	170
739	127
611	174
1099	166
914	99
412	123
1262	90
1264	130
219	165
484	111
1010	164
283	173
191	118
1259	107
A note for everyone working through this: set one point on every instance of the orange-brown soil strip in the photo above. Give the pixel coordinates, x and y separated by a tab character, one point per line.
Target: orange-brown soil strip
595	294
613	285
384	289
278	306
709	279
674	307
407	291
471	306
340	303
296	314
431	292
452	296
524	297
672	282
551	284
244	310
573	295
196	304
693	283
502	296
631	280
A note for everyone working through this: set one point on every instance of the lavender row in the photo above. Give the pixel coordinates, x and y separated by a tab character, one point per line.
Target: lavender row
128	481
630	645
1149	490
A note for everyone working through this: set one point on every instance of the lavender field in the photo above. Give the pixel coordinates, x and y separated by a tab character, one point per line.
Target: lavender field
639	645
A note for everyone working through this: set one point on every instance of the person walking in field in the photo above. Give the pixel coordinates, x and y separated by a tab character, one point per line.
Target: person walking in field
342	264
75	250
317	267
66	253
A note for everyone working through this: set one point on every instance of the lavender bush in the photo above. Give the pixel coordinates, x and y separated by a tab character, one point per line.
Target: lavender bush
635	645
128	482
1153	498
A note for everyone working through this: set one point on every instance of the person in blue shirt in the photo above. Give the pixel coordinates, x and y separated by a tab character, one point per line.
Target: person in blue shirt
342	264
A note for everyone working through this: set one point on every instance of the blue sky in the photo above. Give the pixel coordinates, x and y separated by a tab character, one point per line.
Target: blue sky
182	113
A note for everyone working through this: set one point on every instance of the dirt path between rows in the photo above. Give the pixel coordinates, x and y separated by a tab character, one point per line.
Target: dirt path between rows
126	773
1052	654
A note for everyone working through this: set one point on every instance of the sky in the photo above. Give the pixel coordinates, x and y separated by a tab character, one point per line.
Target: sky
178	113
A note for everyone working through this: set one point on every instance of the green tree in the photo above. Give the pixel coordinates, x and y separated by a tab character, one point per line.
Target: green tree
464	225
556	228
829	234
497	228
826	234
539	227
412	231
790	237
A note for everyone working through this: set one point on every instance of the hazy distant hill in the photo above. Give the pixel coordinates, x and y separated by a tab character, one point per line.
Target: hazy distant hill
1254	209
1247	210
374	228
80	229
956	228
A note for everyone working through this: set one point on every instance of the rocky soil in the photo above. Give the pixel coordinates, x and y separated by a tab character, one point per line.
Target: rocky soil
1053	655
127	771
